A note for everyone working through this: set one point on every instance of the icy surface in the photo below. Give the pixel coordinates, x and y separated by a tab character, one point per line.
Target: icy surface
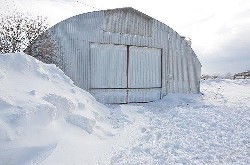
46	119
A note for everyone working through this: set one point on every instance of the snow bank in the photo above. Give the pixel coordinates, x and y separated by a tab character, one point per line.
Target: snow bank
40	106
46	119
34	92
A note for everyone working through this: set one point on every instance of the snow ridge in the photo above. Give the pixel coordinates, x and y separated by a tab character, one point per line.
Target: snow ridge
40	105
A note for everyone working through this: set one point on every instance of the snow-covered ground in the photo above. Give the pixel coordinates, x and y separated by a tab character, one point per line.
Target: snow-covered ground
210	128
46	119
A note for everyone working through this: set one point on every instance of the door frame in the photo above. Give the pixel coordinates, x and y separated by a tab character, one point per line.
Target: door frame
127	69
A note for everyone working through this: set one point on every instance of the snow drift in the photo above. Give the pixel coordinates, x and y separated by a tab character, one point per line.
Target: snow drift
40	106
46	119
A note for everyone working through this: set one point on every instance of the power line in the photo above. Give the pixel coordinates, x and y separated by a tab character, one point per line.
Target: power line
10	6
91	6
7	9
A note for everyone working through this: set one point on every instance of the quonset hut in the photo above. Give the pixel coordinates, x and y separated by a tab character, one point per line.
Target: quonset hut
124	56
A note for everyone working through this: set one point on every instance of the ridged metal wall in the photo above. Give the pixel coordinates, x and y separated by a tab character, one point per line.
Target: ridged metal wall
126	21
143	95
108	66
110	95
180	67
144	68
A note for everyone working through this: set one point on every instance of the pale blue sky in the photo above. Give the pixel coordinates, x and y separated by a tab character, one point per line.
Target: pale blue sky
219	29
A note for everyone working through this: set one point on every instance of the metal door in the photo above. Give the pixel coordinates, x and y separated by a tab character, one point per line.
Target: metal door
122	74
108	72
144	74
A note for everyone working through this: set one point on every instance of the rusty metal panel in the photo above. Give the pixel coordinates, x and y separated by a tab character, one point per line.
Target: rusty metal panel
110	95
144	68
143	95
108	65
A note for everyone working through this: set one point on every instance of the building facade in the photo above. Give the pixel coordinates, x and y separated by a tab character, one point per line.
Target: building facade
124	56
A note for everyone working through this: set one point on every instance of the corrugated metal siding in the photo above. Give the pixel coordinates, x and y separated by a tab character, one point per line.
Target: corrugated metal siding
192	80
127	21
110	95
196	78
164	73
144	68
108	66
198	73
184	68
175	65
83	64
143	95
171	63
180	66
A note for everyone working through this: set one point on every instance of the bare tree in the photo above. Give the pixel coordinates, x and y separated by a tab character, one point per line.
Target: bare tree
45	49
23	32
18	30
228	75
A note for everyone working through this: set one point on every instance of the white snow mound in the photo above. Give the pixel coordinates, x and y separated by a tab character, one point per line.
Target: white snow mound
46	119
40	106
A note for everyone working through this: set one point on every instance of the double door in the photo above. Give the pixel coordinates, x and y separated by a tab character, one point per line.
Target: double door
125	74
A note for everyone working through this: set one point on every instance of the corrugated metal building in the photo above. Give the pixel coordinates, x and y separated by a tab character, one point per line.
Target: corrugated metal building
124	56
